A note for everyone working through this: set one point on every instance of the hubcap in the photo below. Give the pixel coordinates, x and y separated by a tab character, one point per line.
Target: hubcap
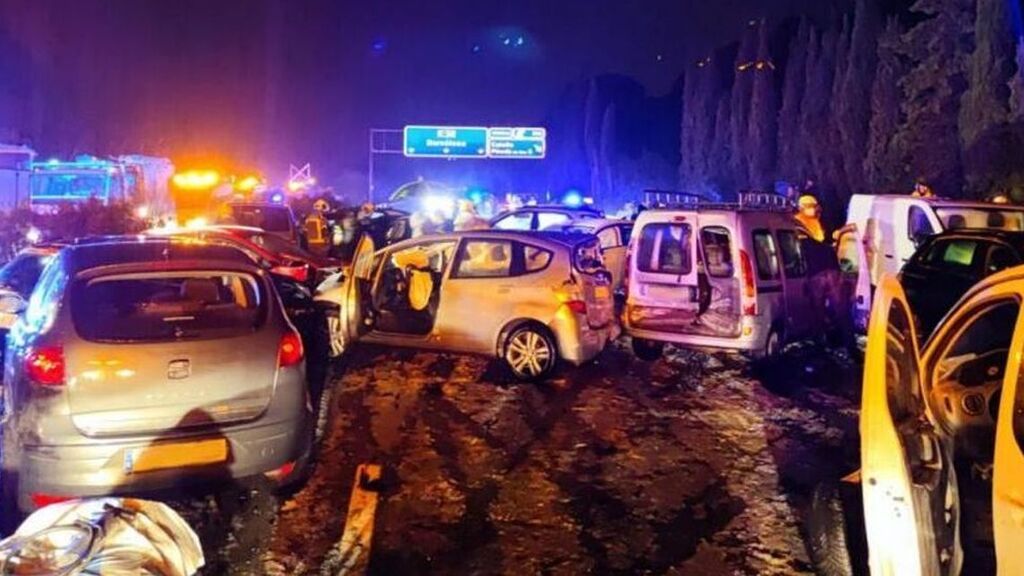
337	339
529	354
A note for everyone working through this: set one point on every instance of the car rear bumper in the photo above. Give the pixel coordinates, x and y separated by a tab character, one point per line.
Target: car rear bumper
580	344
753	338
100	469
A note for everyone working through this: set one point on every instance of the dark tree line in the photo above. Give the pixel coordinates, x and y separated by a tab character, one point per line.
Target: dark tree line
866	104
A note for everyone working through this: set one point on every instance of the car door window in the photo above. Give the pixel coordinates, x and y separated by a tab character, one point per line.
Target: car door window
517	221
766	254
1000	258
535	259
609	238
484	259
956	255
665	249
625	233
717	251
918	225
546	220
849	253
792	258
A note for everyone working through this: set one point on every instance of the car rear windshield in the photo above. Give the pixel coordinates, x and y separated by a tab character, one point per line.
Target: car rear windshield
993	218
665	249
269	218
159	307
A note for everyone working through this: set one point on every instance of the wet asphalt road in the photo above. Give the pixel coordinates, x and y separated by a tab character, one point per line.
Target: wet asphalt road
695	464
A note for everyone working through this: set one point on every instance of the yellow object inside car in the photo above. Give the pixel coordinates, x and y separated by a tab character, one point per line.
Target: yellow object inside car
416	263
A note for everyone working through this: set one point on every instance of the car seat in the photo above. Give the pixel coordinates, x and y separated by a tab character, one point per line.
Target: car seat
956	222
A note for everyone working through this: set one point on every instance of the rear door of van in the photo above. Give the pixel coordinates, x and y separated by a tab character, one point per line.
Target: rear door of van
678	285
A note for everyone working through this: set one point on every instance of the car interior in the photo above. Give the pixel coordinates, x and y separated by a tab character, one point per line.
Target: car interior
968	380
408	291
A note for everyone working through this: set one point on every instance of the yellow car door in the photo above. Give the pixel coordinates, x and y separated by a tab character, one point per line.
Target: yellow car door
907	476
1008	477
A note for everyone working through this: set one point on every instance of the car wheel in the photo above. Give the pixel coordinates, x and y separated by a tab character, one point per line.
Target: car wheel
648	350
337	340
773	344
829	544
531	353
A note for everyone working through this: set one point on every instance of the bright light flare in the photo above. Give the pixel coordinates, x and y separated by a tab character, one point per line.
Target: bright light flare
142	212
196	179
33	235
198	222
442	204
248	184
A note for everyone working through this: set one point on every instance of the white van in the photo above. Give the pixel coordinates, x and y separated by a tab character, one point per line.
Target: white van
883	231
723	276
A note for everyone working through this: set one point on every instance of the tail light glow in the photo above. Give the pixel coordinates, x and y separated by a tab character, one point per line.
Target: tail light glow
299	273
45	366
577	306
290	352
749	288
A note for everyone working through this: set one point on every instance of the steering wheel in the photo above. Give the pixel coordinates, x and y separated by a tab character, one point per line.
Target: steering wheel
968	395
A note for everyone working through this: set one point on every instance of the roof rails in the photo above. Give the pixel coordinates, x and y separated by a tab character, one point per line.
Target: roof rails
751	201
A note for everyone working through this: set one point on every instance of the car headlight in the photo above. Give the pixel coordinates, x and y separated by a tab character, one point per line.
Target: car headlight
56	551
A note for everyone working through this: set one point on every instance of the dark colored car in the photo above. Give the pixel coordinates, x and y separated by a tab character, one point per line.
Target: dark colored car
947	265
276	219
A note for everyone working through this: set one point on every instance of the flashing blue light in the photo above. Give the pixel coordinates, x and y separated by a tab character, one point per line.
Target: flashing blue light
277	198
476	195
506	41
573	198
520	41
53	161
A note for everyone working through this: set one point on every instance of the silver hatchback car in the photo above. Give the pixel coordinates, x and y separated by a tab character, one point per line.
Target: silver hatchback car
528	298
146	365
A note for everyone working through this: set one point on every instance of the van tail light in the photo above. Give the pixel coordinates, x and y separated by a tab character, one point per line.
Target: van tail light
45	366
281	473
577	306
290	352
297	272
749	289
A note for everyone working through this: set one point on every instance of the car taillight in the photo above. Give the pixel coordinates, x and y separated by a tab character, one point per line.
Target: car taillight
41	500
290	352
749	289
577	306
45	366
279	474
298	273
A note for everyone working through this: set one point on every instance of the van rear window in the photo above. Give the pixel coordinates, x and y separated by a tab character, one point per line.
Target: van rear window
665	249
159	307
717	251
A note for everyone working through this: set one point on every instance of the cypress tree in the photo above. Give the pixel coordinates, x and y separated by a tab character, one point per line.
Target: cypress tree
853	108
763	116
883	166
792	165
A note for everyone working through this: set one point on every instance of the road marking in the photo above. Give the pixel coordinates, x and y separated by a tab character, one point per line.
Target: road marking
354	546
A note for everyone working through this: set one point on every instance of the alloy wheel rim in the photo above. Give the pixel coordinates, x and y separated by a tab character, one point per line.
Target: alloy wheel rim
336	338
529	354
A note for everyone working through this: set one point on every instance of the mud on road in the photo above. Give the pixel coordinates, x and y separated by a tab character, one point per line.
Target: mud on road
694	464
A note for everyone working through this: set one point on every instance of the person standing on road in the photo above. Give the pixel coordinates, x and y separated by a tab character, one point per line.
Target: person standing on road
809	216
468	219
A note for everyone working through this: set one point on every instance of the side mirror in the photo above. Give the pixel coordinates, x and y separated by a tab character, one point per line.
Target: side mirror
12	303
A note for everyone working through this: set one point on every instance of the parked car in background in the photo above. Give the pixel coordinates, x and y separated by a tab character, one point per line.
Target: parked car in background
720	276
946	266
614	238
294	262
942	441
17	280
277	219
530	299
148	364
884	231
542	217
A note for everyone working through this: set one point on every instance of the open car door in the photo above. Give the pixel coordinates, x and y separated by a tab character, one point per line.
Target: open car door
1008	477
907	473
359	288
856	274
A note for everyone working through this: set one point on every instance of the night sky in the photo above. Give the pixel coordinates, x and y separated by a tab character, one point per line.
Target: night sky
267	82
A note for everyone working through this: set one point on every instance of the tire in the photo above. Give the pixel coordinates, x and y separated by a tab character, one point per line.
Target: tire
530	353
335	338
773	345
828	539
648	350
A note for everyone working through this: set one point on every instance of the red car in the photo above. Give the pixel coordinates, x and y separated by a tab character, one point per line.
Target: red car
271	252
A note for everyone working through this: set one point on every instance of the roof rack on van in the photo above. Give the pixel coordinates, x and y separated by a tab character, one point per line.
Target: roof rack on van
753	201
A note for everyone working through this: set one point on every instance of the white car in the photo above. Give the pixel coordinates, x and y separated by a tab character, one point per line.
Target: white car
614	237
530	299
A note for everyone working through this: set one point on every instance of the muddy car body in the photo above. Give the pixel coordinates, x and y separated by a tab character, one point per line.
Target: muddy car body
145	365
529	298
720	277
